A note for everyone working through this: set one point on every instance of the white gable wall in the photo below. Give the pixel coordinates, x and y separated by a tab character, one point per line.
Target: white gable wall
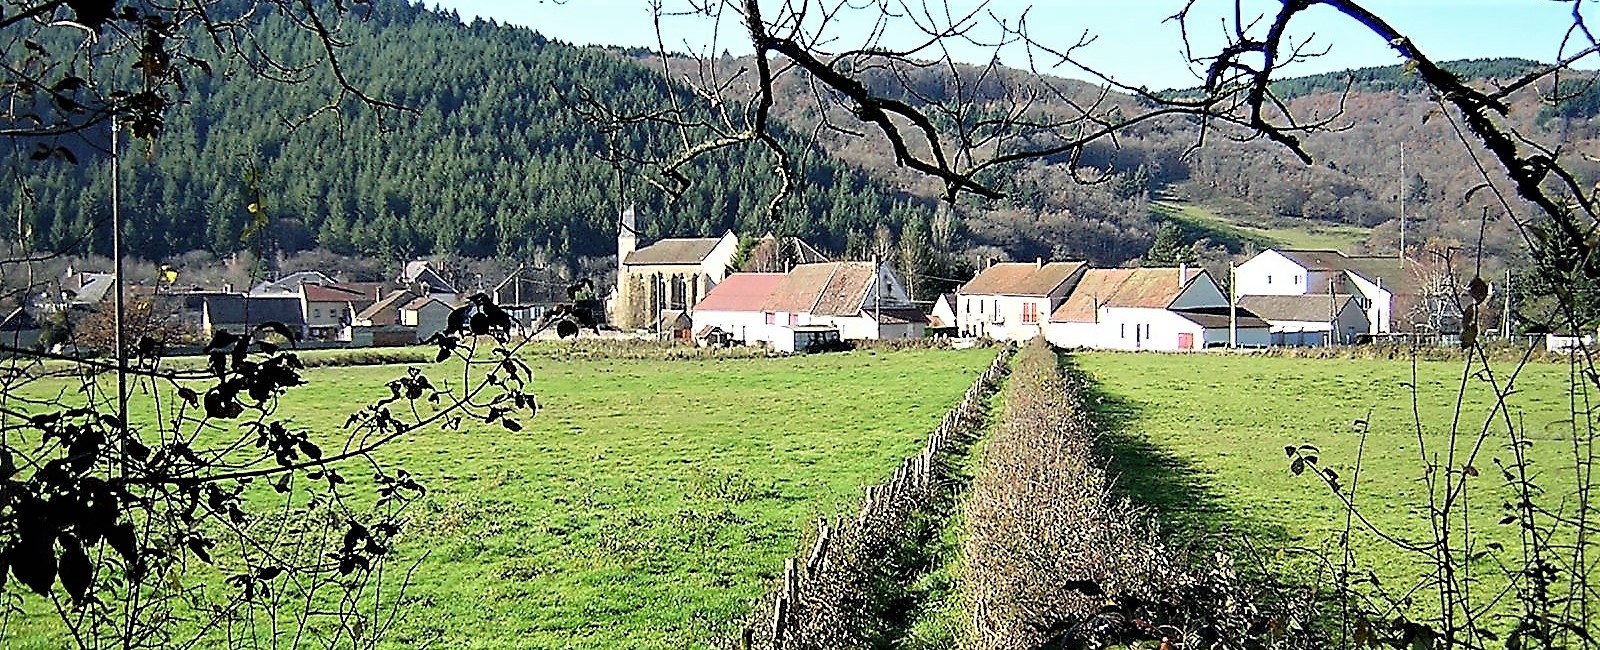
1201	292
1269	273
716	264
1379	303
1001	317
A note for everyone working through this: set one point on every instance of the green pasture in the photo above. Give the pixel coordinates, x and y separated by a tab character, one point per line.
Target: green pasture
1233	229
649	501
1201	438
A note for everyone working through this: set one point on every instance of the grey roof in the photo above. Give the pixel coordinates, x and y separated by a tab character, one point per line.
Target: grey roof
254	310
95	290
675	251
1310	308
421	271
291	283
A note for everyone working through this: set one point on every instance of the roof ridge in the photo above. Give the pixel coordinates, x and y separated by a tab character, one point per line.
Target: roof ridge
825	285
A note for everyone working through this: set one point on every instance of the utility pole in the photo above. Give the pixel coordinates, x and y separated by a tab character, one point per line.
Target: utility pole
119	280
1233	306
877	296
1403	187
1507	315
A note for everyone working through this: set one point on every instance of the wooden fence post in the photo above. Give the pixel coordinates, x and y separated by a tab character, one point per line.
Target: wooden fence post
820	550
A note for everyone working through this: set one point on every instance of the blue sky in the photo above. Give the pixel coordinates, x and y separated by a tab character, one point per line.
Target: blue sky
1132	41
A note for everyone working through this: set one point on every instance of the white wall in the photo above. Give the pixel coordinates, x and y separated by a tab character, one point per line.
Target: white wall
1269	273
1379	303
748	327
1010	308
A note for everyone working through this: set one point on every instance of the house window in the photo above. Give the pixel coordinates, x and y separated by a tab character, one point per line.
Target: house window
1030	312
794	319
772	319
1123	332
980	306
968	306
316	313
1297	279
1147	331
1269	279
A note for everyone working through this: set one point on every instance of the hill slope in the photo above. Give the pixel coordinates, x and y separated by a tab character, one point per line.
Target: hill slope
491	162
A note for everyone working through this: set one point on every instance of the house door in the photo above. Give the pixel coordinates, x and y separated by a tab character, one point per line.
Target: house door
1185	340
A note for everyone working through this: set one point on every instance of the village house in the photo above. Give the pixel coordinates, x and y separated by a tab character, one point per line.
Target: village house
1012	301
734	307
859	300
240	314
330	309
1164	309
1374	280
428	315
1333	319
379	324
671	274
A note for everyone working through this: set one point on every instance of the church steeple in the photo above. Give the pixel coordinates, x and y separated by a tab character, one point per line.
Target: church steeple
627	236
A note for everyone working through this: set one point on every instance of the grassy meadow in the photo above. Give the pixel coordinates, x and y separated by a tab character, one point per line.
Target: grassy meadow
647	503
1201	438
1288	232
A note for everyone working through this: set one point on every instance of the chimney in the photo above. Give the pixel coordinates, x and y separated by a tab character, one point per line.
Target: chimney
1039	262
1183	274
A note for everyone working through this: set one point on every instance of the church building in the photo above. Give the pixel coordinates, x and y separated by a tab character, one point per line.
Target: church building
667	277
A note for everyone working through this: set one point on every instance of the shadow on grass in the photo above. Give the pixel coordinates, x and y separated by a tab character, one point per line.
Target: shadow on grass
1190	512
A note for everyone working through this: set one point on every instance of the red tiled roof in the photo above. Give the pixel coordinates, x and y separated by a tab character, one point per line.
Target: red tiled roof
800	288
741	292
1150	288
1021	279
320	293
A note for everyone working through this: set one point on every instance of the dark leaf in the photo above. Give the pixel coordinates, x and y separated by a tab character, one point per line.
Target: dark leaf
189	395
33	559
1297	467
1478	289
221	339
1508	520
67	155
201	548
40	151
311	450
457	323
122	540
510	425
268	573
1288	450
75	570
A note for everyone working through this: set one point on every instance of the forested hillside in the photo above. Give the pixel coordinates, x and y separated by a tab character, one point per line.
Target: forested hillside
491	161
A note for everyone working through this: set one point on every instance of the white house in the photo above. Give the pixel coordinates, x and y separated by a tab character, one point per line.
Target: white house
1165	309
1311	319
859	299
1374	280
429	315
734	306
330	309
1012	301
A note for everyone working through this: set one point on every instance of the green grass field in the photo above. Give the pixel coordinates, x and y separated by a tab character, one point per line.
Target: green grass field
1201	438
648	502
1293	234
